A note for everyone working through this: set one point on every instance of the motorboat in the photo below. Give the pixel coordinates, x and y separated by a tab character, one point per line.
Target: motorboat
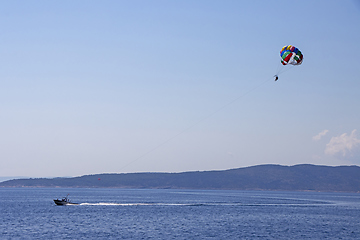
64	201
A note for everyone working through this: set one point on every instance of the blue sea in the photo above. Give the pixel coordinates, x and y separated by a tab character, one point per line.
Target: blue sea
30	213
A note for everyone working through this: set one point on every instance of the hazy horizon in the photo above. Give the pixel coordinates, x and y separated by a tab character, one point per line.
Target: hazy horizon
5	178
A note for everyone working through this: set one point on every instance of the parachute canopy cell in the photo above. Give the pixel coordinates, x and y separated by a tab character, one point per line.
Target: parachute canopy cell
291	55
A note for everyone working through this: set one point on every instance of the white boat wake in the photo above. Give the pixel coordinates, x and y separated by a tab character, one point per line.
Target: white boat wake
138	204
203	204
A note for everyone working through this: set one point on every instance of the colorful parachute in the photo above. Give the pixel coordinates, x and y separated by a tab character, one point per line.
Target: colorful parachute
291	55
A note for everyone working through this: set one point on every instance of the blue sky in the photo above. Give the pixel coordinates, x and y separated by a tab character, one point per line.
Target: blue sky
149	86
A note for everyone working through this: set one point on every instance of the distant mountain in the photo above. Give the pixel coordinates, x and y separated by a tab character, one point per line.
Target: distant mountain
2	179
304	177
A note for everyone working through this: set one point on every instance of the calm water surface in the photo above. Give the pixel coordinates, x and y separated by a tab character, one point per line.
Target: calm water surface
177	214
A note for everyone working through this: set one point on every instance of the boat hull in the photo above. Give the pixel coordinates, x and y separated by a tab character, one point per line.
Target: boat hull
62	203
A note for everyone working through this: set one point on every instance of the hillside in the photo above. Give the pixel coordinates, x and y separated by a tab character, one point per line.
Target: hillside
303	177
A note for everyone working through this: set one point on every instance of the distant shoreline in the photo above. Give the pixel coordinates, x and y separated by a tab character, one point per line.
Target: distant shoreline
304	177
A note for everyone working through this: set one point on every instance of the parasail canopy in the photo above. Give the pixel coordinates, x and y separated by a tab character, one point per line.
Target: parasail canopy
291	55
